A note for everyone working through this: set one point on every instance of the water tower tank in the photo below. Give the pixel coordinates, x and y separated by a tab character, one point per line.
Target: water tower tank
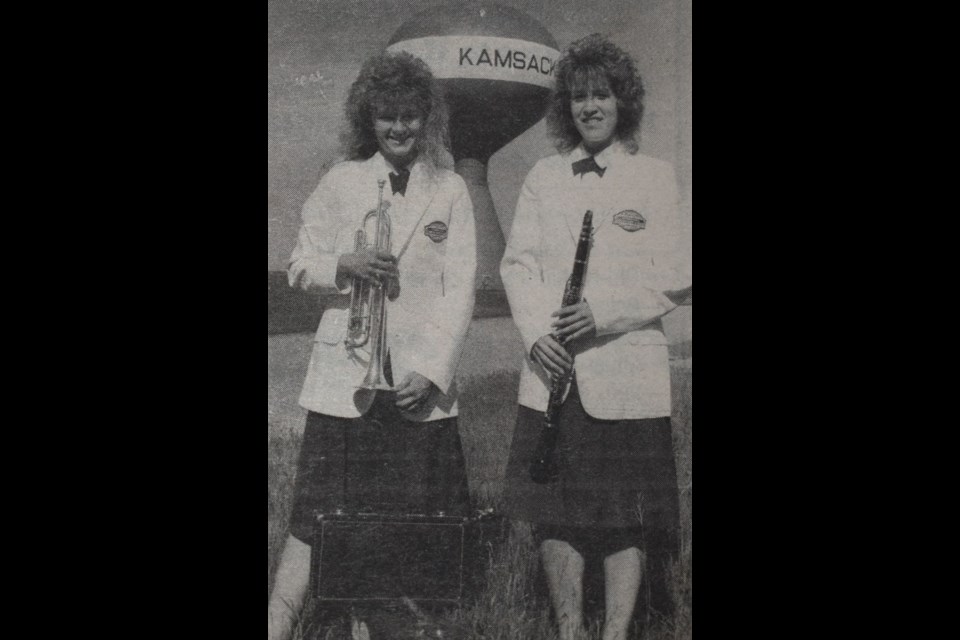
496	67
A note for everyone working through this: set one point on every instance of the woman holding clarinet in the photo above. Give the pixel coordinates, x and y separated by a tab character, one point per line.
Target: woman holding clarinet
603	482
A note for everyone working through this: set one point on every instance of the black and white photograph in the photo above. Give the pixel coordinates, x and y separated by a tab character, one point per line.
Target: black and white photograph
479	252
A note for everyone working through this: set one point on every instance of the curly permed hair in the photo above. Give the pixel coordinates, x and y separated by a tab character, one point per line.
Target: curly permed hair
590	61
399	81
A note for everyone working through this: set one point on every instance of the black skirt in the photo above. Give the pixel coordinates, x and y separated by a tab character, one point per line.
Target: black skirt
379	463
614	474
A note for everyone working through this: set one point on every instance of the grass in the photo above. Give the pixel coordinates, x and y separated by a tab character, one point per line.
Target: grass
513	604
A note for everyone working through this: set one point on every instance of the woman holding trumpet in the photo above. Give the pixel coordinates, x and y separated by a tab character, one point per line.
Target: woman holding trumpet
381	431
615	494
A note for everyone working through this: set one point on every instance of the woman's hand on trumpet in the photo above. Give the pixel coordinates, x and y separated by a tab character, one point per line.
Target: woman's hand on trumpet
375	267
413	391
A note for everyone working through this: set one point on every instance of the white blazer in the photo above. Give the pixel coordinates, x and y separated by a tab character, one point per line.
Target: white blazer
433	238
639	269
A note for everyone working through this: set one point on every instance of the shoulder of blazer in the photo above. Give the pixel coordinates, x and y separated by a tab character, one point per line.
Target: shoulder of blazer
448	178
547	169
342	172
648	165
555	162
450	183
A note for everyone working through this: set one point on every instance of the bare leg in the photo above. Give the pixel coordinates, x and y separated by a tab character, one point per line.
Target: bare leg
359	631
289	590
564	569
622	572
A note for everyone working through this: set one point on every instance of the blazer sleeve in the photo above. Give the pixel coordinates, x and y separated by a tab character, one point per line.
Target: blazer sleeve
313	263
663	277
445	328
521	268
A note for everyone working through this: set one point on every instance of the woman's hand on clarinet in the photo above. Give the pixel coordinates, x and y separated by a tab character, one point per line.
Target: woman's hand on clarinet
413	392
574	322
375	267
550	354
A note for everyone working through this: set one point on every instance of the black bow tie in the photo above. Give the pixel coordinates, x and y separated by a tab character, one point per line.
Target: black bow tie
399	182
586	166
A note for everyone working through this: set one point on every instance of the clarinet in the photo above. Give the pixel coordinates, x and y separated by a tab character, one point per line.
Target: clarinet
544	468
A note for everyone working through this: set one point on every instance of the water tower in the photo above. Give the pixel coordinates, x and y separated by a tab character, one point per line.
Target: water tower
496	67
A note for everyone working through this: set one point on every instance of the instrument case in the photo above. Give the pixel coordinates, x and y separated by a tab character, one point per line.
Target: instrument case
376	557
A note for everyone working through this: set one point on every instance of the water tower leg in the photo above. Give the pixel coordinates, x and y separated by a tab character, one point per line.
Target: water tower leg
490	242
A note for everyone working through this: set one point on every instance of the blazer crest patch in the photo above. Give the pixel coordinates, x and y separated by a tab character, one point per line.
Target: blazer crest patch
436	231
630	220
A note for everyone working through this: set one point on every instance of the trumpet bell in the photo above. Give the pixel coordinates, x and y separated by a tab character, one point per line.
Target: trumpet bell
374	384
368	304
376	377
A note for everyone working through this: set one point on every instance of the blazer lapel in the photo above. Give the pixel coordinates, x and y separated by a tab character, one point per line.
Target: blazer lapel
406	216
574	220
589	193
573	215
599	196
377	168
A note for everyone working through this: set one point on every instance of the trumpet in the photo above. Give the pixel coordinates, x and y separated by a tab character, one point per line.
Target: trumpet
368	305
